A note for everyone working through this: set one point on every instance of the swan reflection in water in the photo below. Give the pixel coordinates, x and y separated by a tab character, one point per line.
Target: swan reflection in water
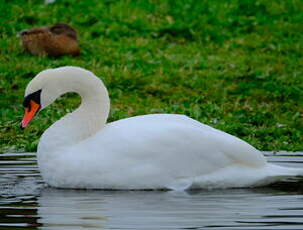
78	209
26	202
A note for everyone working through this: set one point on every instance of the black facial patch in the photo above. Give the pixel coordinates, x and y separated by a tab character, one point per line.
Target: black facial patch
35	96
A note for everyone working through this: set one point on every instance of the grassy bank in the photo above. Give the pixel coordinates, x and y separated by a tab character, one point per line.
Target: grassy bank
235	65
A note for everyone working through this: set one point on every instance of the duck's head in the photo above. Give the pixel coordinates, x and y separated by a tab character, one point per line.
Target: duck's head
32	32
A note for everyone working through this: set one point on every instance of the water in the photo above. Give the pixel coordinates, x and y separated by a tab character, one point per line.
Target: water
26	203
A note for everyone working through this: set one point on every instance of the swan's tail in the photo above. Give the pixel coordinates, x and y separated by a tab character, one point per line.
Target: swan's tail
240	176
284	171
276	173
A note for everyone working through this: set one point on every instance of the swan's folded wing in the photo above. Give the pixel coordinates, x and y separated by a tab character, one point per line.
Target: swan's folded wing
164	147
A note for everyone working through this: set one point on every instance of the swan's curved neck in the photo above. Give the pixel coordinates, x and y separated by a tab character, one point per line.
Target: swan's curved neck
85	121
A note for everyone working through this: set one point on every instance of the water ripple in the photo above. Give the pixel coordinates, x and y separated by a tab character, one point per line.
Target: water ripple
26	203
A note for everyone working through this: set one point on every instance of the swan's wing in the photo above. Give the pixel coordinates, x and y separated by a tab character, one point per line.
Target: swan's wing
174	136
161	149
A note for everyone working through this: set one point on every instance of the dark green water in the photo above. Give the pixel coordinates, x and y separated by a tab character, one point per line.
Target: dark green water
26	203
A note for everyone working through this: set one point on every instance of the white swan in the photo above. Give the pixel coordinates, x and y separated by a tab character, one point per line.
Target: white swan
157	151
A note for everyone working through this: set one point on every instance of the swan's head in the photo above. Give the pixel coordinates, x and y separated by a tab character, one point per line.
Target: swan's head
49	84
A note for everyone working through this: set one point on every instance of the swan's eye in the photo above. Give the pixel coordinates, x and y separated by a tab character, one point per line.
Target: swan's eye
35	96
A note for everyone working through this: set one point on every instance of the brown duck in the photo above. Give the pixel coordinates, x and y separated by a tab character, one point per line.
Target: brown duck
56	40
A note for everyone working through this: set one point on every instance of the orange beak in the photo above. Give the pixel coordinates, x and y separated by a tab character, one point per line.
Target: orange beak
30	113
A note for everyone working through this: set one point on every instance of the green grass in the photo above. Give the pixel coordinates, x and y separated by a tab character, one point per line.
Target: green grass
236	65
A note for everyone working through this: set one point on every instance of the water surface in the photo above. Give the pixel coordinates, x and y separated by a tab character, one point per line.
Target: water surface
26	203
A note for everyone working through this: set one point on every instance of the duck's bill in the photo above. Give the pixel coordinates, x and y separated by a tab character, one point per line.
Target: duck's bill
30	113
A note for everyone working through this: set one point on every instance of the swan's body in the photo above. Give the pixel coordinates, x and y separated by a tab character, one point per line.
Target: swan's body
157	151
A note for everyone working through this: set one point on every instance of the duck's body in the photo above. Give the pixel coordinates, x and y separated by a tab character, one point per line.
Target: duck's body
157	151
56	40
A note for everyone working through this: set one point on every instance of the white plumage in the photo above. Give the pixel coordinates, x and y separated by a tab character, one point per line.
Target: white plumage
156	151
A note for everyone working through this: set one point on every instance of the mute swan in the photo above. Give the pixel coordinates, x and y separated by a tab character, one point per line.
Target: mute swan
156	151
